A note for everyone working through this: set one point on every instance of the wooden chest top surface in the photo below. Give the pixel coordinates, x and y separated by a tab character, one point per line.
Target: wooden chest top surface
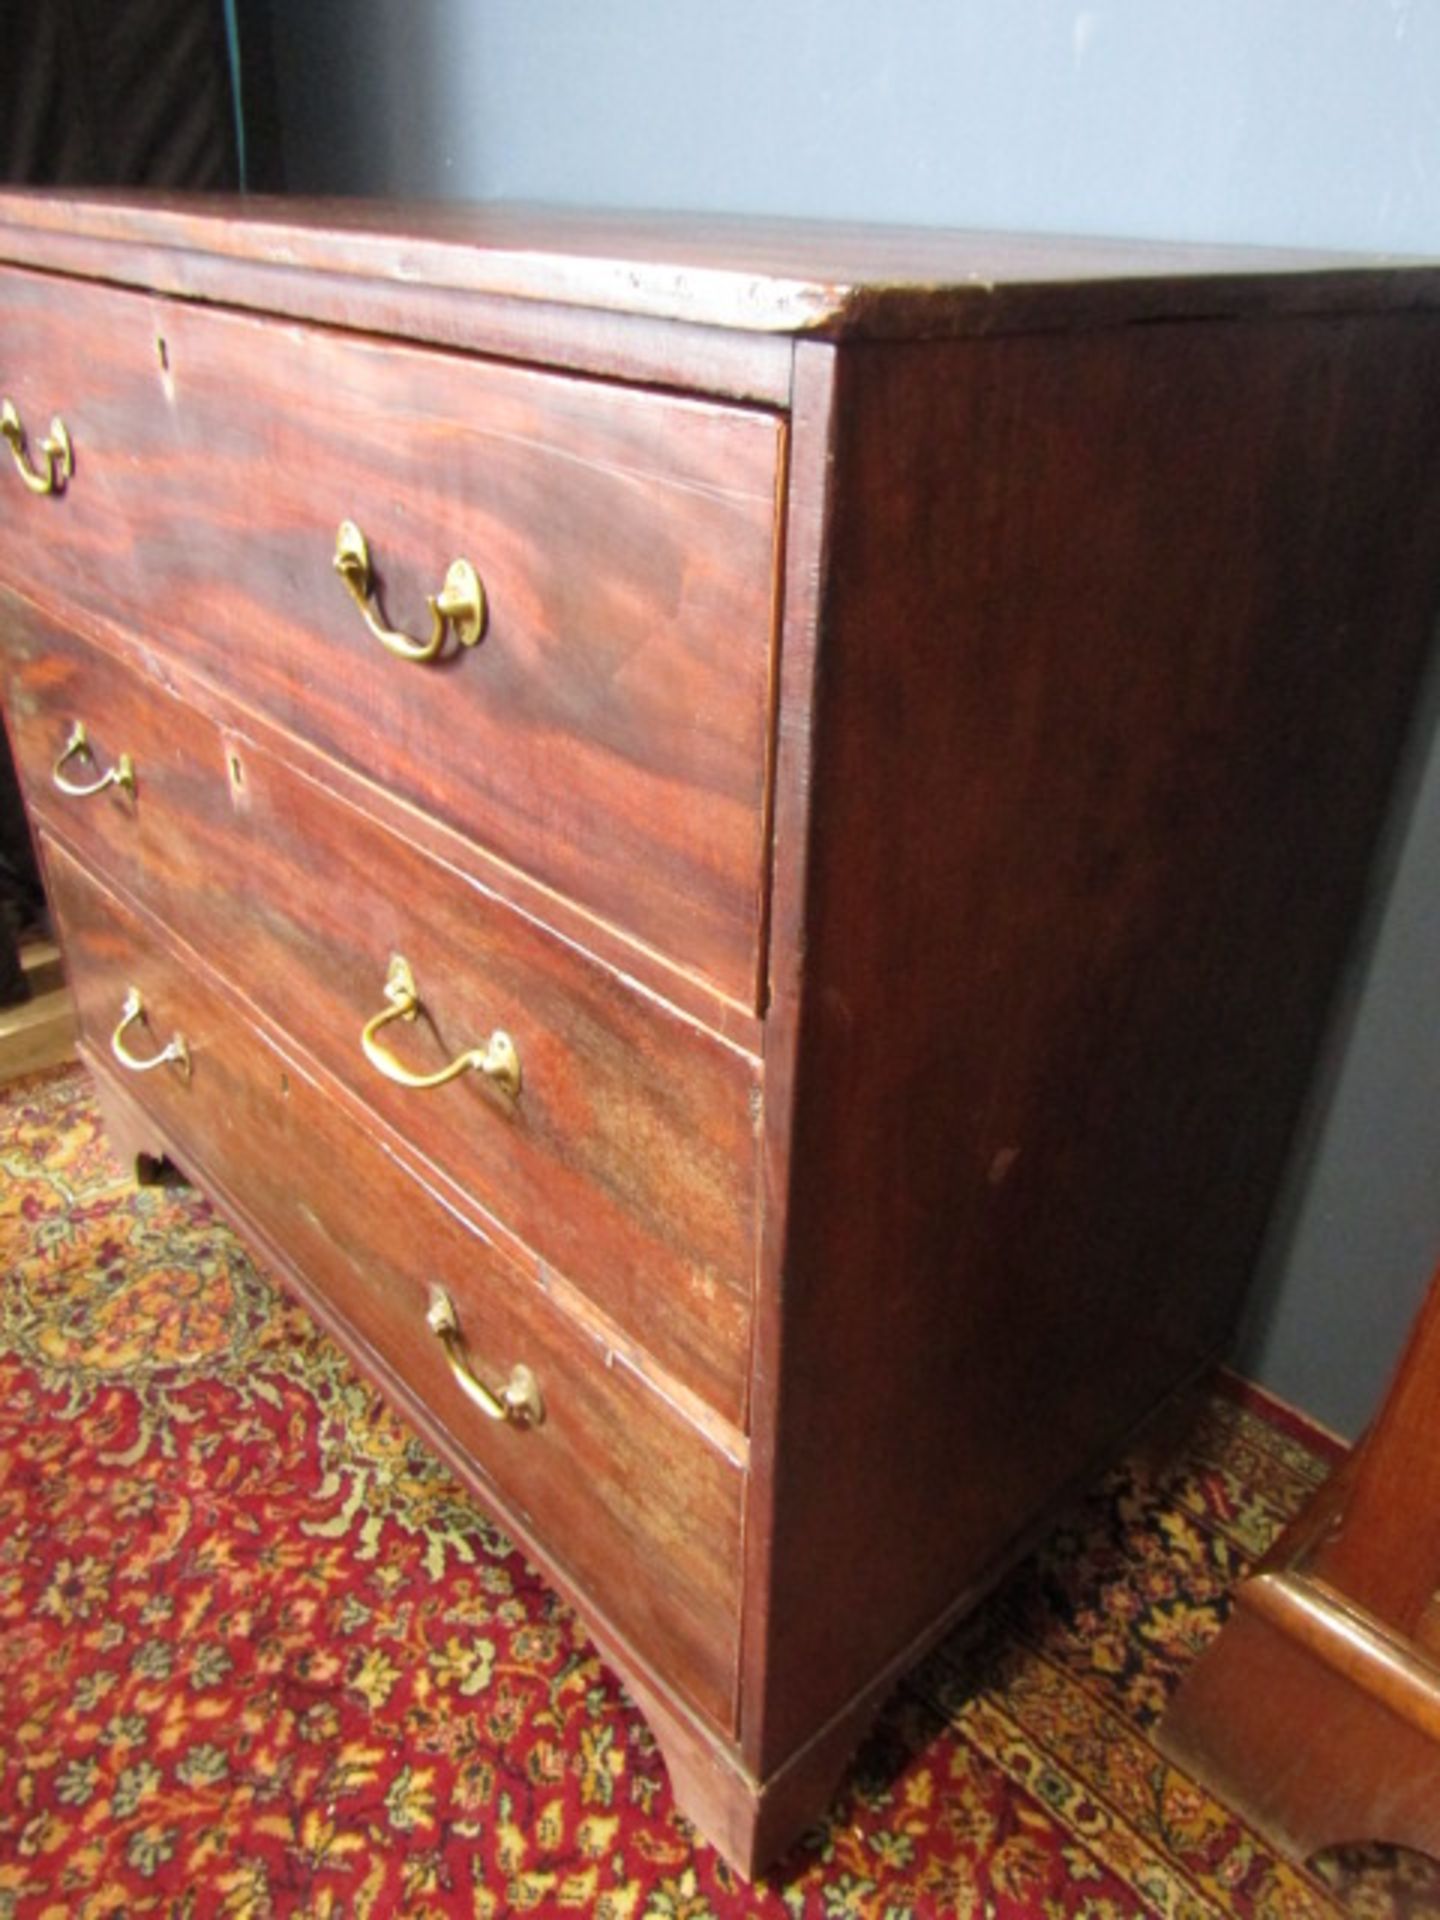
758	274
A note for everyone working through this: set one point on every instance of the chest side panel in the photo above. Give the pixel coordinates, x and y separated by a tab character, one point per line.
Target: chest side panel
1119	635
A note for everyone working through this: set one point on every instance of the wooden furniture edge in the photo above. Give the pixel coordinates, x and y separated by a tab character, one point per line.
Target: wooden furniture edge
1316	1708
1271	1720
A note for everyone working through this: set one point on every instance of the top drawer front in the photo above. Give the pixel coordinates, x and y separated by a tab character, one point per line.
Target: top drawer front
608	734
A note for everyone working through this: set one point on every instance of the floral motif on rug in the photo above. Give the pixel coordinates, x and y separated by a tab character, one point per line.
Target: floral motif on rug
260	1655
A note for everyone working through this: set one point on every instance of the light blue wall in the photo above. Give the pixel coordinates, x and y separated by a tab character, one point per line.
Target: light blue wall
1291	121
1306	120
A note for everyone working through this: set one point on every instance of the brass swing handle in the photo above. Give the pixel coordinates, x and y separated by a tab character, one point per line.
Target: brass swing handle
497	1059
77	747
460	603
174	1050
59	454
518	1401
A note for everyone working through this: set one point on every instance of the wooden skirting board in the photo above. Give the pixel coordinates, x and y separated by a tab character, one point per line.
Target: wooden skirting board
40	1031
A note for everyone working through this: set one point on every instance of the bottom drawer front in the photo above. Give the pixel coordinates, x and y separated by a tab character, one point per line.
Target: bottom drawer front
631	1504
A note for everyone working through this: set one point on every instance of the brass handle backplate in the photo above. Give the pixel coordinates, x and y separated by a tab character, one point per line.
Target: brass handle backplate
59	455
77	747
497	1059
518	1401
174	1052
460	603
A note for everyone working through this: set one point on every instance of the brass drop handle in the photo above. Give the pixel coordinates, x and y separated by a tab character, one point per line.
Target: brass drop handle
173	1052
58	453
497	1059
459	604
77	747
518	1401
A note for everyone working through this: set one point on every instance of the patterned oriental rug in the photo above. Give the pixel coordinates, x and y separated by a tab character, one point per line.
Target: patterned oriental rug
260	1656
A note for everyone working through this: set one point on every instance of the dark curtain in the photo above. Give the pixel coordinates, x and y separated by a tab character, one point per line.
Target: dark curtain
116	93
103	93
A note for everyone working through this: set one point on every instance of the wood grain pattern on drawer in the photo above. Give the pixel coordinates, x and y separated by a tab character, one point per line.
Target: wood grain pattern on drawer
608	733
634	1505
112	754
628	1160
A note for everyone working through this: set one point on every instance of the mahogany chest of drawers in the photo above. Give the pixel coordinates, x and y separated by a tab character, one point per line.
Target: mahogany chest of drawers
728	845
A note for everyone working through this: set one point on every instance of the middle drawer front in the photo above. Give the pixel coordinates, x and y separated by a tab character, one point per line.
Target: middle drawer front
607	733
628	1500
628	1159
